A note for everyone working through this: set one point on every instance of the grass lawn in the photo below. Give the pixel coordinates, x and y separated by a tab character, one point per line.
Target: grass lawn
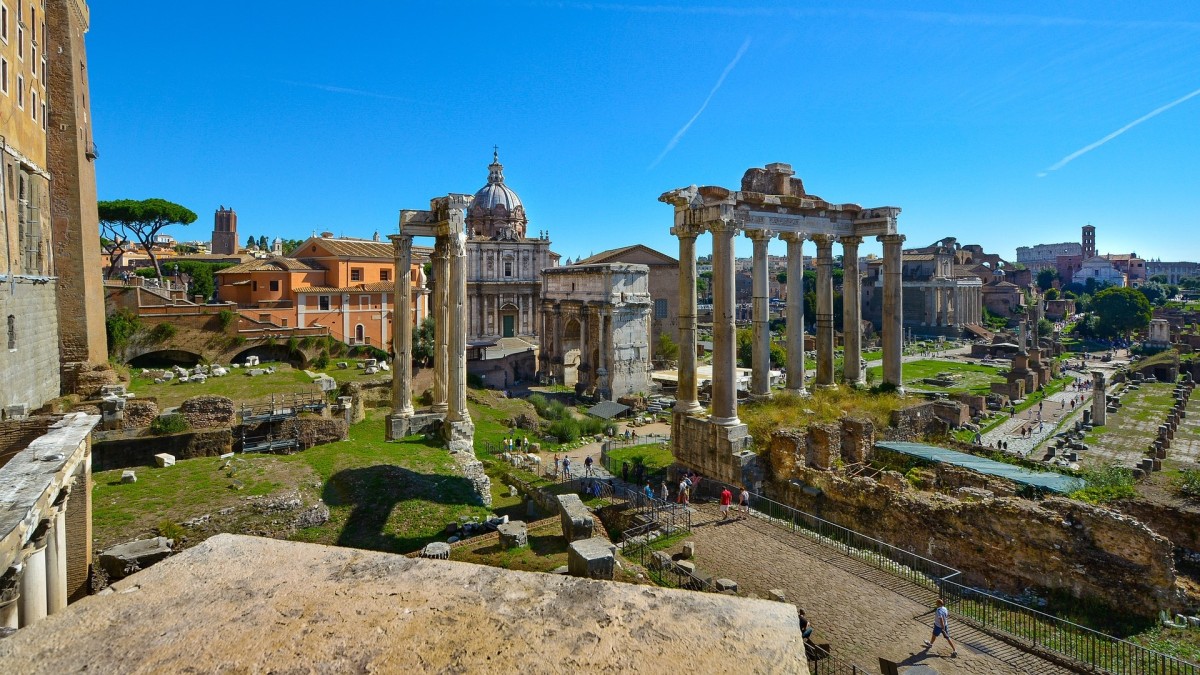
1132	428
655	456
822	406
547	550
240	387
972	377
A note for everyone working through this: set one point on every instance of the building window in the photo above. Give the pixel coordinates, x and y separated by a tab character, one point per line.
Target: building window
508	268
283	322
356	274
253	285
21	92
323	303
12	333
4	76
33	108
4	23
274	284
359	334
660	309
385	275
20	43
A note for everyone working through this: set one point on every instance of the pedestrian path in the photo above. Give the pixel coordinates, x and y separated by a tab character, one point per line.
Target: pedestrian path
1042	422
862	612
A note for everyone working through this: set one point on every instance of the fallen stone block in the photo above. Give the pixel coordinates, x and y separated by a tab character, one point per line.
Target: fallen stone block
660	561
437	550
689	550
777	595
686	567
513	534
128	477
122	560
726	585
164	459
591	559
577	521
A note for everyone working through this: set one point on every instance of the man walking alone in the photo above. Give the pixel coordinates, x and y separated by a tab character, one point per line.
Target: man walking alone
941	626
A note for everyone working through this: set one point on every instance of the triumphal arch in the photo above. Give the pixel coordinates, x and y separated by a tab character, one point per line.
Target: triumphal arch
772	202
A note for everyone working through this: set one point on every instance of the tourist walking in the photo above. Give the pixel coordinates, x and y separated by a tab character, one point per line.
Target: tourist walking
649	492
666	492
556	465
941	626
567	468
744	502
726	500
587	466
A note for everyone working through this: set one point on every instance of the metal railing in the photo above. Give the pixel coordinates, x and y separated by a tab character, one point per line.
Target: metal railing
1011	621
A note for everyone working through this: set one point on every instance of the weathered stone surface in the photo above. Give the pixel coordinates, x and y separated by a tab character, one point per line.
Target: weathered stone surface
577	522
438	550
777	595
432	609
661	560
726	585
140	413
591	558
822	444
686	566
128	476
313	430
513	534
163	459
689	550
858	439
203	412
122	560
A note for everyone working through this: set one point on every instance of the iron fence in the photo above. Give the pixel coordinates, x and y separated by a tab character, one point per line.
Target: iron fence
1016	623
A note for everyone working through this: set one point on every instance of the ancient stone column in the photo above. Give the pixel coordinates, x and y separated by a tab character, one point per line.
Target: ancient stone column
583	374
441	321
687	397
457	343
56	560
852	312
893	311
760	375
1099	399
560	352
795	312
402	327
825	334
604	339
33	603
724	371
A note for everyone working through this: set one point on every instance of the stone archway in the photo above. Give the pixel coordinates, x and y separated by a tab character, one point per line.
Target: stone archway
165	358
571	337
510	322
269	352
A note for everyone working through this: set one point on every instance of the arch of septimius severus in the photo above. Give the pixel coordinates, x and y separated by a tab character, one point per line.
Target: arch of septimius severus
772	203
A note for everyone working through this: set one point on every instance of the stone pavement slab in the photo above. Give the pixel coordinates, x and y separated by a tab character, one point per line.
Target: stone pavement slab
862	612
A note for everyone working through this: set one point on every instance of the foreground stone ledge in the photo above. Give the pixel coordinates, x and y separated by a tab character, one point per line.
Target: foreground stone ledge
288	606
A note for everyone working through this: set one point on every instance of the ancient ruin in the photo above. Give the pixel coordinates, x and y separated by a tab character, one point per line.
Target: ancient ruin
596	328
445	222
772	202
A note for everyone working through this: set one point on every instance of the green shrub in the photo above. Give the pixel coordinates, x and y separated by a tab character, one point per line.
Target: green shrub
322	360
308	342
163	332
1106	484
120	326
168	424
226	317
474	381
565	430
293	344
171	530
1189	484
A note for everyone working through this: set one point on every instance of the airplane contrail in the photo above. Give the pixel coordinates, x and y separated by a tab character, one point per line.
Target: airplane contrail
1088	148
683	130
347	90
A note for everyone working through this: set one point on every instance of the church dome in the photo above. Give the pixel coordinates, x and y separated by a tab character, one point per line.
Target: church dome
496	211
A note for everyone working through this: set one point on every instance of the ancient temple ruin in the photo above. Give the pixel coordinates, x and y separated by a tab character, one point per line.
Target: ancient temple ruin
772	203
444	221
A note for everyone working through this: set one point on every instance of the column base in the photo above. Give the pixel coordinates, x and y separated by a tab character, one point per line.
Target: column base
440	408
801	392
724	421
401	426
858	383
761	397
688	407
825	387
459	436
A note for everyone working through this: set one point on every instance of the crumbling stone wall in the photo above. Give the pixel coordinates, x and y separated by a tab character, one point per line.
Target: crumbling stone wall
123	450
1179	522
1008	543
313	430
140	412
206	412
914	423
16	435
90	379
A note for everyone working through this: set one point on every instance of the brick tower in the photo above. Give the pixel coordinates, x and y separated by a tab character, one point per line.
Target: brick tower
224	236
1089	242
74	222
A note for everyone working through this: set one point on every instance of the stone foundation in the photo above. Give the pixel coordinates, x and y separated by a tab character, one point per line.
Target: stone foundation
721	452
399	426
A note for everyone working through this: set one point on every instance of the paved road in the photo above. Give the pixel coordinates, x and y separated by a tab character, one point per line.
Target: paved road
864	613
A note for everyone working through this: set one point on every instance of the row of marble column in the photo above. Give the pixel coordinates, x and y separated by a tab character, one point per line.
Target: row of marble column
950	304
724	363
40	588
554	318
449	296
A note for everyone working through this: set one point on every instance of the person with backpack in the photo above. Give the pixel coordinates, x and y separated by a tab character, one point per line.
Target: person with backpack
587	466
567	468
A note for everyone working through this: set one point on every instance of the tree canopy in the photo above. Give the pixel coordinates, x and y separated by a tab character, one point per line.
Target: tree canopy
1046	277
1120	310
140	221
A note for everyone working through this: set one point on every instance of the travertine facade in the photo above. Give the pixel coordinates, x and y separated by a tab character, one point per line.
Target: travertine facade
664	285
503	264
596	328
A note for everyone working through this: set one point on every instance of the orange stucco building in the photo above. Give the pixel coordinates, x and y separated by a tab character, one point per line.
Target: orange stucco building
345	285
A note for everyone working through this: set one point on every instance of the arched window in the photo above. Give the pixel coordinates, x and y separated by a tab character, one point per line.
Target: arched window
358	333
12	333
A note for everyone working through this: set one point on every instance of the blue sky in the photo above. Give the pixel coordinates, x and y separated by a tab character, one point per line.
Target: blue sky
304	118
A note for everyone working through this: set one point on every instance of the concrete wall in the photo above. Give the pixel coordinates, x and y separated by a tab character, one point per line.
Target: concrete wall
30	372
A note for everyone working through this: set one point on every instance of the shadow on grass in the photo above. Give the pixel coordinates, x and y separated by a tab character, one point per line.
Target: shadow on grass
373	492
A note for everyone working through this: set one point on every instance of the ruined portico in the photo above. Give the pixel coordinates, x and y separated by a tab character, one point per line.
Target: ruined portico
444	221
772	203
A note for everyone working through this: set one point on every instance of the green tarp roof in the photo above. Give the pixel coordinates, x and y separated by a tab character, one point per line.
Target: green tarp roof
607	409
1046	480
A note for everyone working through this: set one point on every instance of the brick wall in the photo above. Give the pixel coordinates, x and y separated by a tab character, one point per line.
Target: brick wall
79	532
31	373
16	435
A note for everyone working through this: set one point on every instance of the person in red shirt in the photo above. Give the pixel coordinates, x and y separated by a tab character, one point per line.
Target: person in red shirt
726	500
